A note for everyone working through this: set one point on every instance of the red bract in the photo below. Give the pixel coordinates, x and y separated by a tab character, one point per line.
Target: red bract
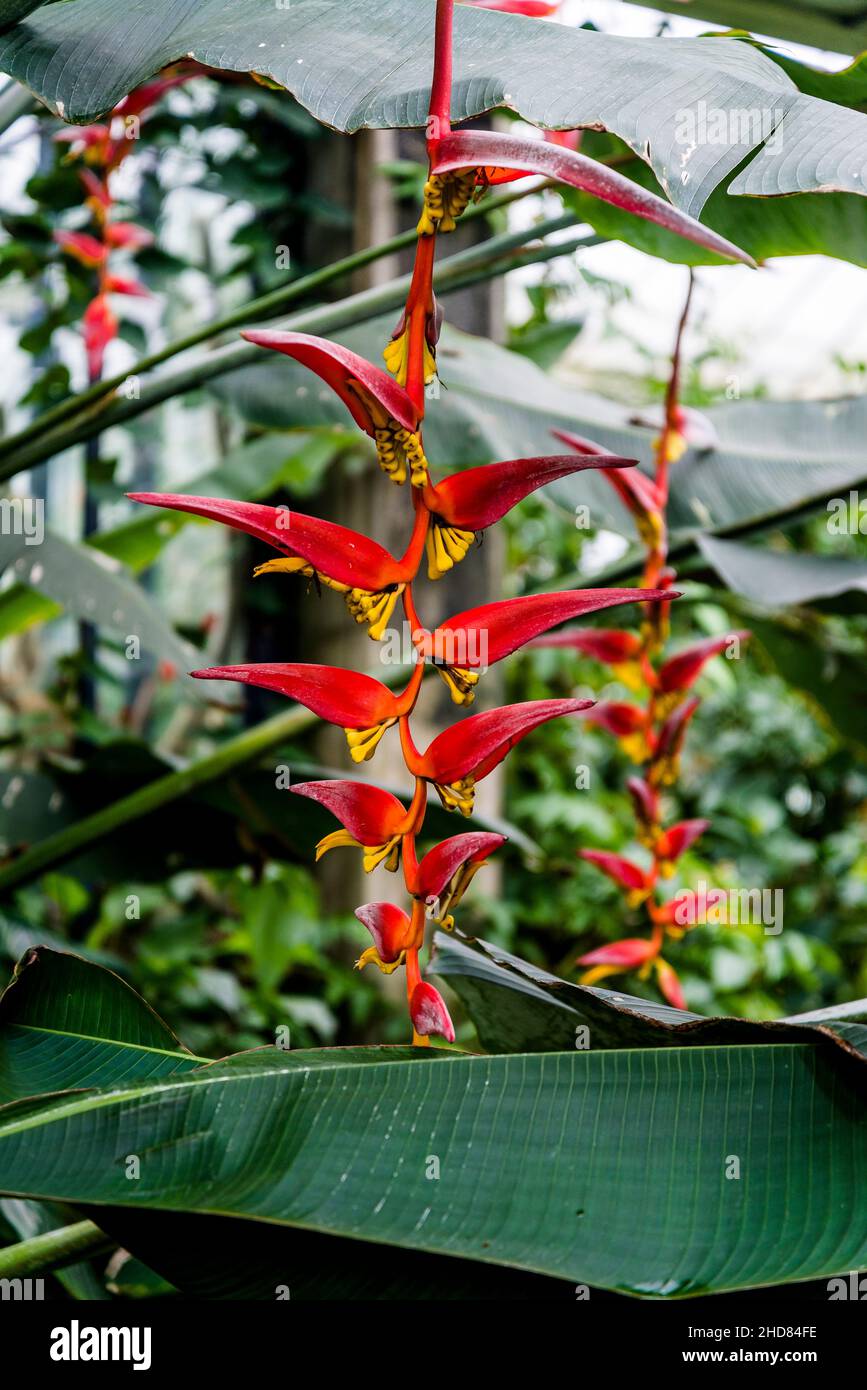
82	247
447	870
488	152
372	819
100	328
377	404
470	642
675	841
467	752
669	984
359	704
666	755
621	955
608	645
637	883
128	235
682	671
393	935
429	1013
370	579
470	501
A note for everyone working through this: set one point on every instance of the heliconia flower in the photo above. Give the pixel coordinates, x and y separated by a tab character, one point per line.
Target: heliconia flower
636	881
633	952
393	935
645	803
638	493
99	327
120	284
669	984
429	1014
465	645
447	870
82	247
369	578
372	818
82	139
472	500
359	704
464	754
377	404
675	841
128	235
628	723
682	670
665	766
487	152
678	914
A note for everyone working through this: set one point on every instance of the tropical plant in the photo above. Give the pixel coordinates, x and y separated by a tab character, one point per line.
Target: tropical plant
619	1121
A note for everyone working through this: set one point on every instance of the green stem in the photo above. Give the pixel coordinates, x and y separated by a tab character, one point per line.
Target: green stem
494	257
265	304
234	753
54	1250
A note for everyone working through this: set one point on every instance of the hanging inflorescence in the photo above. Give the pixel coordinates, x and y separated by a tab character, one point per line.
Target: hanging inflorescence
446	517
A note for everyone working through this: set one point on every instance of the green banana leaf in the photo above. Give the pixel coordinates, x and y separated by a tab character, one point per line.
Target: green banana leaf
657	1171
80	59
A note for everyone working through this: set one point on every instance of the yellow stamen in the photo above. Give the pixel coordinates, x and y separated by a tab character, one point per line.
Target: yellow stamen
398	449
445	198
650	529
372	855
599	972
374	608
461	683
446	546
457	796
363	743
396	355
629	672
295	565
665	703
372	957
635	747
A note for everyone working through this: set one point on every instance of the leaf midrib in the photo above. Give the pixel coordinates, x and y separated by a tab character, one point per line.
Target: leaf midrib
94	1099
110	1042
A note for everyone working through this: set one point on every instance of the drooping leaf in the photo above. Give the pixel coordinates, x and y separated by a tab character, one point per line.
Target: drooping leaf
332	59
516	1007
775	578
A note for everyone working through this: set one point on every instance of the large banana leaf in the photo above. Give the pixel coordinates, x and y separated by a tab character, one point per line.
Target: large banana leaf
775	578
774	459
605	1167
369	65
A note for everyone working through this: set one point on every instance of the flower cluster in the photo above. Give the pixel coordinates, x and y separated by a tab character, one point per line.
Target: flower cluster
650	729
446	517
101	149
